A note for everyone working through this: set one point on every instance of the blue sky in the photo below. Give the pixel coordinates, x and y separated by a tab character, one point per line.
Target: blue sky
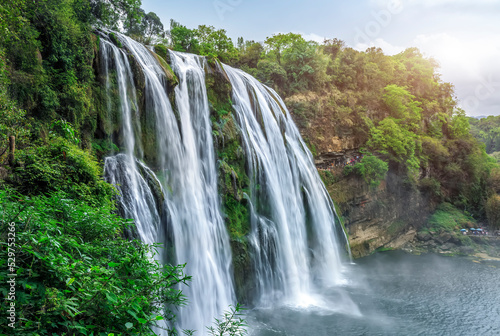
463	35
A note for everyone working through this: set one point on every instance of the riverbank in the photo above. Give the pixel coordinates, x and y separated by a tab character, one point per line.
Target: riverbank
446	243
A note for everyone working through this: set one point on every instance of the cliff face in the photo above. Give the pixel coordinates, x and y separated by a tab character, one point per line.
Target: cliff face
387	217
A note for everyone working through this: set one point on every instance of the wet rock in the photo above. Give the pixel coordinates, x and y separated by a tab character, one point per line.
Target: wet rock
424	236
443	237
448	246
455	240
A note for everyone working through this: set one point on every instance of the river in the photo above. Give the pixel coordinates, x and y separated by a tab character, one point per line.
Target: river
395	293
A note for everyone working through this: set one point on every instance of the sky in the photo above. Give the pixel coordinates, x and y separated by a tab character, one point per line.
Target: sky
462	35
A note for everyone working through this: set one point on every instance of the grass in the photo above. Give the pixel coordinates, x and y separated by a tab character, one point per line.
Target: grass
448	218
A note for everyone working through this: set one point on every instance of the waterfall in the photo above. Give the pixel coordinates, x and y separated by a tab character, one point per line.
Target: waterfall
201	238
186	169
135	197
294	235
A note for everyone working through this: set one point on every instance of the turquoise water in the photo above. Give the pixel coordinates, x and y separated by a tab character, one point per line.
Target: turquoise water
394	293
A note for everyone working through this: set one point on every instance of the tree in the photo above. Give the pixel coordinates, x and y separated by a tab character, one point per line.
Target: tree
182	38
152	26
110	13
272	74
144	27
332	47
249	53
459	125
279	42
399	143
403	106
215	43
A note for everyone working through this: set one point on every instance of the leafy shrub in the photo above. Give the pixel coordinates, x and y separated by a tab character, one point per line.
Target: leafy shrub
372	169
61	165
431	185
64	129
76	275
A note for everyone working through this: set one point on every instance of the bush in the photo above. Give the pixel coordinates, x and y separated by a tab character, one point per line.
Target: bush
62	166
431	185
76	275
372	169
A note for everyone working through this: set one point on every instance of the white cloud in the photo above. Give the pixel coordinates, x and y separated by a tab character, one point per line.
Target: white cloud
387	47
471	63
313	37
307	37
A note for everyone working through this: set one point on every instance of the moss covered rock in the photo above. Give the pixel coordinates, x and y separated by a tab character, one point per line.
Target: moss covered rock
233	178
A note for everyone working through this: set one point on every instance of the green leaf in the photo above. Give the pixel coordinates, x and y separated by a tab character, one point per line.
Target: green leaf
132	313
111	297
129	325
113	264
159	318
141	320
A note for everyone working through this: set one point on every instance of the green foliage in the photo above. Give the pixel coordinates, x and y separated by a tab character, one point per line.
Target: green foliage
64	129
161	50
76	275
111	13
231	324
459	125
431	185
62	166
372	169
144	28
448	218
496	156
49	58
249	53
402	106
271	74
278	43
328	177
215	43
487	130
13	120
398	143
237	217
493	211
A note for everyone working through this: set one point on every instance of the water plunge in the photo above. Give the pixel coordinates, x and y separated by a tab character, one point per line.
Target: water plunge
293	218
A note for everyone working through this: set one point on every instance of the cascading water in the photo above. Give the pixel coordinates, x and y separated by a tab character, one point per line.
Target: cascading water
201	238
293	219
135	197
294	236
186	167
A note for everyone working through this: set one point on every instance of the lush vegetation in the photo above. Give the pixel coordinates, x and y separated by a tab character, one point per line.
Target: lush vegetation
449	218
487	130
76	273
395	107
